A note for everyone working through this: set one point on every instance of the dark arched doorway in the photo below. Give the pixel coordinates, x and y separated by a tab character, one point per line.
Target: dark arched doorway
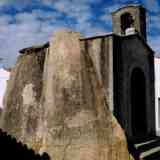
138	103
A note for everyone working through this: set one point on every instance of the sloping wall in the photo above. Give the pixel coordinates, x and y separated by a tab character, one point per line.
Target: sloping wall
58	104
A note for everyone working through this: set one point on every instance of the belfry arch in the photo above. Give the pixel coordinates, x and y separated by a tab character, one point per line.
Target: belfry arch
126	21
138	103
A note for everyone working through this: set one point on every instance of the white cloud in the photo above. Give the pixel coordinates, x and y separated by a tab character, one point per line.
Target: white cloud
90	30
109	9
152	5
74	9
5	19
45	15
82	13
52	2
17	4
35	27
27	30
153	22
106	16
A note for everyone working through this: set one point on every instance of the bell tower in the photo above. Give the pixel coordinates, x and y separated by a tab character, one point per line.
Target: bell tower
129	19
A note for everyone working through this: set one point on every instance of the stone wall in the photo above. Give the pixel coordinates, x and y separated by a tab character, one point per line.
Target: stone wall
56	103
21	102
100	49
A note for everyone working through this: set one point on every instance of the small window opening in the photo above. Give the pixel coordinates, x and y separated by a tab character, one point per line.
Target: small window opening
126	22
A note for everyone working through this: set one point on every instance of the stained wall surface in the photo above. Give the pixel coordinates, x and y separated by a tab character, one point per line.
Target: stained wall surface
22	107
100	50
56	101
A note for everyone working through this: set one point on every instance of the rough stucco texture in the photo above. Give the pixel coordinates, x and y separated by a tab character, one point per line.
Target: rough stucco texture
21	103
71	111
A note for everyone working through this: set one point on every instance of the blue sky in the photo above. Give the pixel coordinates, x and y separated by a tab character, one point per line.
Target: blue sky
24	23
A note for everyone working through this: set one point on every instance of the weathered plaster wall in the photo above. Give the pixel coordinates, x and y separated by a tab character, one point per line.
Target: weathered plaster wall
101	52
77	121
60	106
21	101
